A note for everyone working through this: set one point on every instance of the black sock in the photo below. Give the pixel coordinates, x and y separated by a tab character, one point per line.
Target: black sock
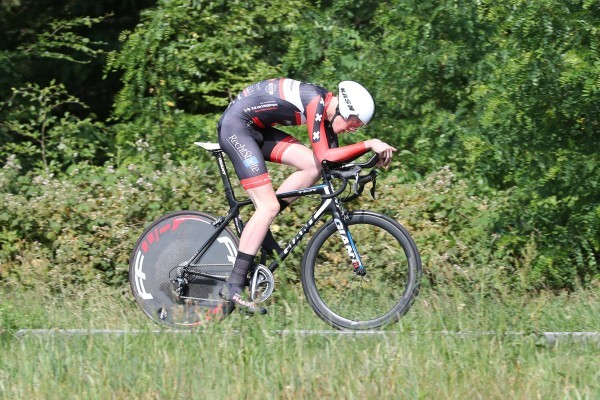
270	244
237	278
282	205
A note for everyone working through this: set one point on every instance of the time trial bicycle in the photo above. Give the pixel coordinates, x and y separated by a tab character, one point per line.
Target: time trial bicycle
361	269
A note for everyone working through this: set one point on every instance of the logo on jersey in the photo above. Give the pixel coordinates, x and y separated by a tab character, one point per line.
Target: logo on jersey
271	88
263	106
250	161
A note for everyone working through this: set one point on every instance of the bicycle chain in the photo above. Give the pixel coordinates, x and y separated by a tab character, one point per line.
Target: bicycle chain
203	267
211	265
201	299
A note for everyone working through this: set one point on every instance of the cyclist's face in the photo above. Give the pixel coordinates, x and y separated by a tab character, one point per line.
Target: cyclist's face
342	125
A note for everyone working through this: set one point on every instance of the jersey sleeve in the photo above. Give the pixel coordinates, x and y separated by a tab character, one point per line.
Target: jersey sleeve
315	121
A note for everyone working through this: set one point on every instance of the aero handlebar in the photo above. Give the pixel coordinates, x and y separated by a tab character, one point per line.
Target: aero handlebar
351	171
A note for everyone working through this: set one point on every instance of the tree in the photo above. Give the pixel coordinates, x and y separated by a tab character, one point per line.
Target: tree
45	134
35	32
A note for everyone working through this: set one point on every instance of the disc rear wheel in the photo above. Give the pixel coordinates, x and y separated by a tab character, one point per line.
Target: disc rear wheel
162	289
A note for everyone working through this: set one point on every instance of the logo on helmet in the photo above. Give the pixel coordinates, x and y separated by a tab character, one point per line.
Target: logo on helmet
347	99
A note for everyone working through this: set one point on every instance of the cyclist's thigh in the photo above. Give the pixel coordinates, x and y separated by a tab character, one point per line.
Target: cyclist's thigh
301	158
238	141
283	148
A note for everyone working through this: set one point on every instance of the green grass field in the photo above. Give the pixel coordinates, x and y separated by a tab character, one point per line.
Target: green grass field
266	357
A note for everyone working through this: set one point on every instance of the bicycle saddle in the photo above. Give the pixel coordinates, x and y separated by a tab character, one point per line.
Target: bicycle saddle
208	146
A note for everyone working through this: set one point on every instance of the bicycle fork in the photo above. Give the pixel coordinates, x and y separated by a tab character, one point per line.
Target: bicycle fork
339	218
344	232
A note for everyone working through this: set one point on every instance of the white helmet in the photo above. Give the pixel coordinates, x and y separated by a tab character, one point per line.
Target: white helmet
354	99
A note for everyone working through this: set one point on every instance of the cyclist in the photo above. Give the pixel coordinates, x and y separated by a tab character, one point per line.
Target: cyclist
247	136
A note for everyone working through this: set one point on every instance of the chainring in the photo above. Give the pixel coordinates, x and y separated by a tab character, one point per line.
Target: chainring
261	284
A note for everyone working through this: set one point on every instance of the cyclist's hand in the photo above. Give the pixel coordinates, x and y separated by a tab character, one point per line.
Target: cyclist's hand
383	149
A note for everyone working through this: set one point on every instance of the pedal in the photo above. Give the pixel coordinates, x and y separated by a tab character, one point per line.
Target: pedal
224	292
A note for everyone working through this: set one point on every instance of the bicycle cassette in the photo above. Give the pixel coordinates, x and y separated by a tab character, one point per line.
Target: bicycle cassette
261	284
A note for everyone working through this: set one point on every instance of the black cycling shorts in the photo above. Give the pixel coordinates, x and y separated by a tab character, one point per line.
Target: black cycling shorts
249	146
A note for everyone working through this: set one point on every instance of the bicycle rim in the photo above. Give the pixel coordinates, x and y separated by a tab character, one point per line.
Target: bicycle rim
167	243
346	300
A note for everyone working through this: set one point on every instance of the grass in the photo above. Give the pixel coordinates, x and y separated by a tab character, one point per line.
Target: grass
250	357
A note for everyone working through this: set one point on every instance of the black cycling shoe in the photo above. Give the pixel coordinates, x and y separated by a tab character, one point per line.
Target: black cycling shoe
249	307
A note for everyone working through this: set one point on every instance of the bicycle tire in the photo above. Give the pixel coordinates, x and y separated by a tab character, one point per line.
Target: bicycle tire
347	301
165	244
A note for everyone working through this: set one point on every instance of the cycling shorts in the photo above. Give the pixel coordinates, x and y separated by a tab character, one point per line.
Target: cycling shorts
249	146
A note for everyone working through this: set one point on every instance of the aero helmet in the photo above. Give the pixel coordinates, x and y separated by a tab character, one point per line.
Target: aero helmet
355	100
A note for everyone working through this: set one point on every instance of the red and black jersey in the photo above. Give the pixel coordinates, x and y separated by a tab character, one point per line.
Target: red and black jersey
290	102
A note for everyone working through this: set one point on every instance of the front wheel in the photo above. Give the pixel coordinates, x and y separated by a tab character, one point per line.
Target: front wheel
346	299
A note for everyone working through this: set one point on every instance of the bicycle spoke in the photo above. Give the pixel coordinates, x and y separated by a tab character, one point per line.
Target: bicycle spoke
357	297
346	299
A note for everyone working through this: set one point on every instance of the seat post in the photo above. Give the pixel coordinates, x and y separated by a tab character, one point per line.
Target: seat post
229	194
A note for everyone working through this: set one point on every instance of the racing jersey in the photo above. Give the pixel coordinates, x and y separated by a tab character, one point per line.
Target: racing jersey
290	102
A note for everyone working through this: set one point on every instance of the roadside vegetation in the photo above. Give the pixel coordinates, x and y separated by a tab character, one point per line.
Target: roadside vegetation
495	349
493	107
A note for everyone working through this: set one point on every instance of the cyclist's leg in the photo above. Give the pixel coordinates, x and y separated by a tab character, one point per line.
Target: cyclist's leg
308	169
245	148
280	147
254	232
283	148
267	207
239	141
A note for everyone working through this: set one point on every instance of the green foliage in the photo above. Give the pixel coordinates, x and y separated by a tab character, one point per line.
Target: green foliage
535	98
43	125
194	57
81	226
44	134
58	41
506	94
337	49
66	41
60	38
424	55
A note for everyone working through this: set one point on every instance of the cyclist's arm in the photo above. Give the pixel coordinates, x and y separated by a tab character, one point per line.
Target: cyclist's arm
315	121
384	150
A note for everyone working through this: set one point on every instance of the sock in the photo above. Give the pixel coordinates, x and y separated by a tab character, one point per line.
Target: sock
282	205
237	278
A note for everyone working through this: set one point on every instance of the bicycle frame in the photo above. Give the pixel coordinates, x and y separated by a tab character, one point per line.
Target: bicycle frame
329	204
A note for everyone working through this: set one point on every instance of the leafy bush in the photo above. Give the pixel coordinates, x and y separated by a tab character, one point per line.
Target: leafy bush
506	94
45	134
81	226
193	57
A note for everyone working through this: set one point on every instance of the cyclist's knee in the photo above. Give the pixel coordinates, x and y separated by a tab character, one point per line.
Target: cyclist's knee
314	171
268	208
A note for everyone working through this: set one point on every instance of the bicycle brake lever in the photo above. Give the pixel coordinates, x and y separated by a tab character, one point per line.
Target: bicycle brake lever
355	184
375	173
